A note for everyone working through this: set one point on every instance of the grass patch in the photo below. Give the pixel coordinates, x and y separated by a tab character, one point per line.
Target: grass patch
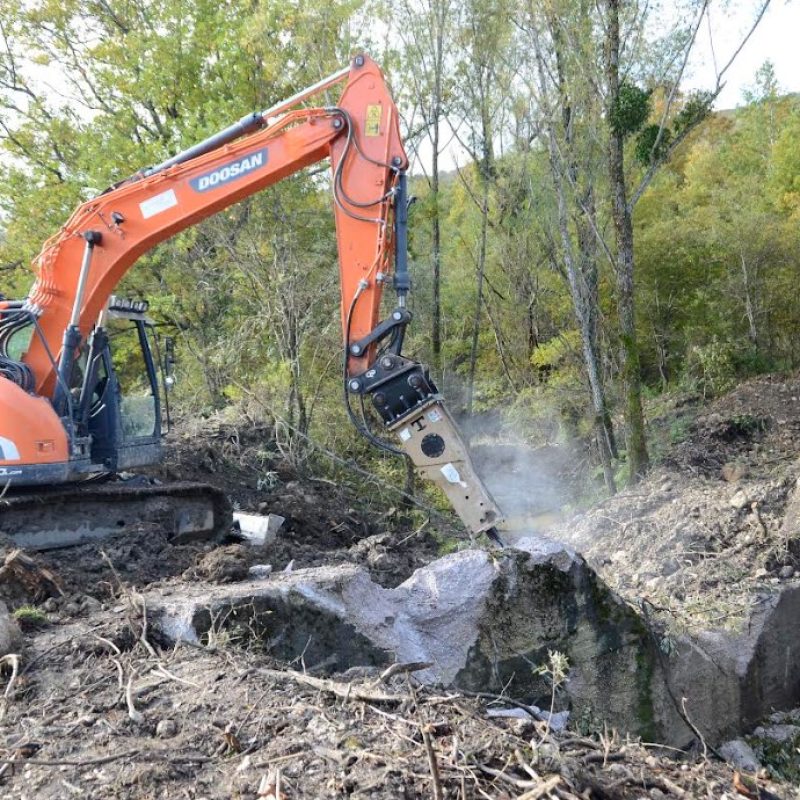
30	617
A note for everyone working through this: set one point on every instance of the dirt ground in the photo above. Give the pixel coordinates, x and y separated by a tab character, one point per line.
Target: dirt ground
99	705
713	528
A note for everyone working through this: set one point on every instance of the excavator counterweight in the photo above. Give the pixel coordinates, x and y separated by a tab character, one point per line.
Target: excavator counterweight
69	412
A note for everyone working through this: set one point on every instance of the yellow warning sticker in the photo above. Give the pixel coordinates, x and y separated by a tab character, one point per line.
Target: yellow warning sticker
373	126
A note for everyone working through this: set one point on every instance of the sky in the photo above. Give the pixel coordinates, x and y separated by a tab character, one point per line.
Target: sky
775	39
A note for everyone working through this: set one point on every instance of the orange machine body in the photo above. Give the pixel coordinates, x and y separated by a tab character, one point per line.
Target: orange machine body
360	136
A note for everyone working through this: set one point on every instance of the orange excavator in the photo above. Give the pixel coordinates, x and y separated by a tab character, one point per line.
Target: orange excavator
70	410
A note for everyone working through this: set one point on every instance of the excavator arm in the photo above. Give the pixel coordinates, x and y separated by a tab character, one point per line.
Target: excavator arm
46	432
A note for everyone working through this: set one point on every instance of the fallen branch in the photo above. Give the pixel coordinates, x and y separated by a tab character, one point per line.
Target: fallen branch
13	660
396	669
432	763
343	689
135	716
91	762
540	791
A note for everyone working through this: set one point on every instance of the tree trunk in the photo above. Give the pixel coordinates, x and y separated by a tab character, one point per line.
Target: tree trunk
582	276
436	235
476	323
638	458
752	332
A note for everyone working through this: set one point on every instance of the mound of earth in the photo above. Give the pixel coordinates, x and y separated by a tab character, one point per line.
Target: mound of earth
715	529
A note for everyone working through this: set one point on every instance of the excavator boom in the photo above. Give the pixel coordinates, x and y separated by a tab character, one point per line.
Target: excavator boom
63	413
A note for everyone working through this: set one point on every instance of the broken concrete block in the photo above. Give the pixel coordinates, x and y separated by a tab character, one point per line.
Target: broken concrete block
257	528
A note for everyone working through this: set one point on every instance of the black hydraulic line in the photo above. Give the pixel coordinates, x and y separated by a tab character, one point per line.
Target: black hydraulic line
247	124
402	278
363	429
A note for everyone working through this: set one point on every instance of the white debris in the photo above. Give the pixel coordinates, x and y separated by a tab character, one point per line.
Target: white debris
558	721
259	528
260	571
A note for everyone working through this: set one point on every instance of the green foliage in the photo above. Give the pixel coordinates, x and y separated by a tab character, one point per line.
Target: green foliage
30	616
695	109
779	757
251	295
649	146
712	367
631	110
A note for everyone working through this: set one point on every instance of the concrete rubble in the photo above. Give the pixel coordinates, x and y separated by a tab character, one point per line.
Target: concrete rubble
258	529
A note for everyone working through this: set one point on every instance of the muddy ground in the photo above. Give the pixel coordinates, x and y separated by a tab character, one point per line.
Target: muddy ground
100	706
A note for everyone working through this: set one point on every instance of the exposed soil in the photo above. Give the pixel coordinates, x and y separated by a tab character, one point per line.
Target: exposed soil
100	711
706	535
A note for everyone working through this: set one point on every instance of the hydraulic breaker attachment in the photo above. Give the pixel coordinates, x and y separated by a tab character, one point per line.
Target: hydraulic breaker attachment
431	439
406	398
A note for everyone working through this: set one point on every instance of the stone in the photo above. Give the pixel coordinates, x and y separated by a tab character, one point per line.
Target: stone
481	621
10	633
740	500
260	571
166	728
90	604
259	529
780	733
786	572
733	471
739	754
485	622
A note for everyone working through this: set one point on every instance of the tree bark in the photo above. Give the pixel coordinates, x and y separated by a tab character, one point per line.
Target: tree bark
436	234
638	458
582	274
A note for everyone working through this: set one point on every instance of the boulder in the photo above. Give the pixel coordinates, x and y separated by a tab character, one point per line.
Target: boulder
488	622
739	754
484	623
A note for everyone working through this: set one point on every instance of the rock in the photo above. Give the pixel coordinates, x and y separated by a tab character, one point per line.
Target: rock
740	500
10	633
482	622
733	471
786	572
739	754
260	571
50	605
71	609
166	728
777	733
671	566
90	604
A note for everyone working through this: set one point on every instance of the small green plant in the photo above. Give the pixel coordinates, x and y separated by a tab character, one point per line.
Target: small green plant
679	429
30	616
781	758
557	670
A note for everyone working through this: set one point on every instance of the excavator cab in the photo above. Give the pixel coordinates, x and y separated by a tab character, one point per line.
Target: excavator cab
111	408
118	400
